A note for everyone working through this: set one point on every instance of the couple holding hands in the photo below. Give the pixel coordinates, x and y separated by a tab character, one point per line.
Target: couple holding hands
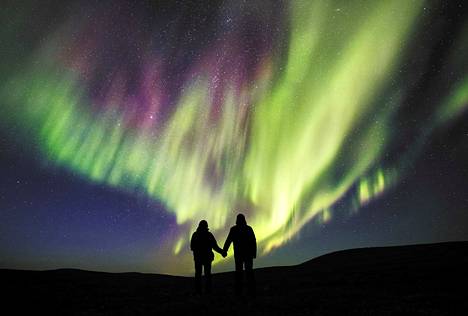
245	250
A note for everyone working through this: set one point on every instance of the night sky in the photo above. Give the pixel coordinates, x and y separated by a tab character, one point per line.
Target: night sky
329	124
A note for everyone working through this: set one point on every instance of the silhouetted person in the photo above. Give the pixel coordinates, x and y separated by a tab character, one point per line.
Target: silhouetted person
245	250
201	244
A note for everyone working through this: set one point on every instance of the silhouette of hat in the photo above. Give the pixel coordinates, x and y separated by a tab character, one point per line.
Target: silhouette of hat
241	220
203	225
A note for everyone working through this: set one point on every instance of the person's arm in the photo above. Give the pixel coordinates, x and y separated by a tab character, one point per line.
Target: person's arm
228	242
215	247
254	243
192	242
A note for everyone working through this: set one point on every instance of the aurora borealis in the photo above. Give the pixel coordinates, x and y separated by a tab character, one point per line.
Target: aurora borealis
292	112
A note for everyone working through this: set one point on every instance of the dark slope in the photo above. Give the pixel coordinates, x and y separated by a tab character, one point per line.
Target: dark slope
418	279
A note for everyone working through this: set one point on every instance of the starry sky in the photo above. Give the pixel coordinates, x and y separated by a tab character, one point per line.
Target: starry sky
329	124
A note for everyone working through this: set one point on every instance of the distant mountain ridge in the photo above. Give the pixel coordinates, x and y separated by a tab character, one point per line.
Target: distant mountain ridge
392	254
365	255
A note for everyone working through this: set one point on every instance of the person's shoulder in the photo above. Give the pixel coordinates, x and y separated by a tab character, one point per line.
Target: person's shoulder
232	230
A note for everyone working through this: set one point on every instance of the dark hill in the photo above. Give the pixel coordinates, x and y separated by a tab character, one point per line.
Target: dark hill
417	280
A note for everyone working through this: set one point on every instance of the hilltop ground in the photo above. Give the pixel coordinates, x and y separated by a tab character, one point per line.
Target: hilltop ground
416	280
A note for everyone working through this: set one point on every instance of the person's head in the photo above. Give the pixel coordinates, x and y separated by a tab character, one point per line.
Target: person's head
240	220
203	225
